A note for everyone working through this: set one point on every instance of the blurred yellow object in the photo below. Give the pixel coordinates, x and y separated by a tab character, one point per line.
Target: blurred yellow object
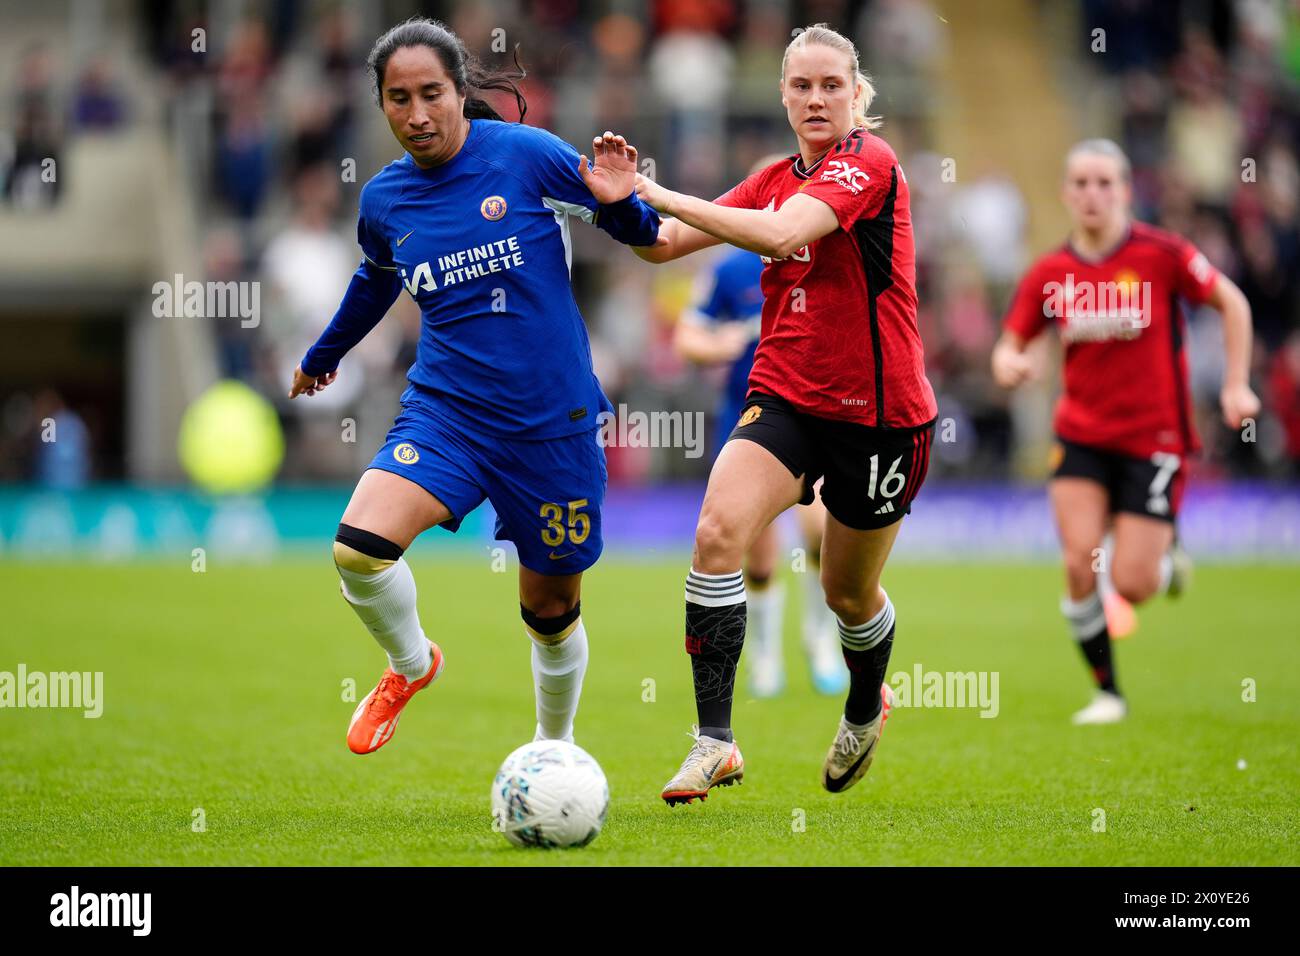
230	440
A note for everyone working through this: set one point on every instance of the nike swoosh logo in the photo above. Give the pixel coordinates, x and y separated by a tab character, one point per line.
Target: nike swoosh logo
405	237
556	557
715	768
835	782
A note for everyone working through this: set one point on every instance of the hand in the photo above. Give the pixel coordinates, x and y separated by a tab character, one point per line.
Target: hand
653	195
1011	367
1239	403
612	174
304	384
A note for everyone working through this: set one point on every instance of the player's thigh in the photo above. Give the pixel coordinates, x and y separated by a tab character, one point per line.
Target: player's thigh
1081	508
393	507
852	562
761	558
748	487
766	465
548	497
1140	543
1083	496
426	473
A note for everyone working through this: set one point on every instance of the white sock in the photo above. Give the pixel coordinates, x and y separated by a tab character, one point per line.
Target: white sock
1166	572
558	670
1086	616
819	626
865	636
1104	585
766	609
385	602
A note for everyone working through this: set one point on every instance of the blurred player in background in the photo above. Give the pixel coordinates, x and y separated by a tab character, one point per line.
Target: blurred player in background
1124	421
838	391
503	403
722	328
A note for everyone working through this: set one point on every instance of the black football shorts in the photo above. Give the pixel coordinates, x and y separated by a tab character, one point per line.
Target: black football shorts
870	474
1145	486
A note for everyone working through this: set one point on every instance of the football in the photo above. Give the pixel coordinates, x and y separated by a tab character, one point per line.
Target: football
549	793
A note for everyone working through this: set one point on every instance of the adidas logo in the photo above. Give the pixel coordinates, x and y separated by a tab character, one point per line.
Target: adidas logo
886	508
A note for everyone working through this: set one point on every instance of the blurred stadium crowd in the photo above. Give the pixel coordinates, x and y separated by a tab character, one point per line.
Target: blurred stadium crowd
280	130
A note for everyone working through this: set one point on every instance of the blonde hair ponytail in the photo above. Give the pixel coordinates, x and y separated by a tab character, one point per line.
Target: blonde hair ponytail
820	34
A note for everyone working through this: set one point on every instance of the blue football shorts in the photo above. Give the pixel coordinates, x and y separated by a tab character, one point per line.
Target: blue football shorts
547	493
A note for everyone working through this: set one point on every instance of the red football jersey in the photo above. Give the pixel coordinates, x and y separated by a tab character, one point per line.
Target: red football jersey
1123	329
839	336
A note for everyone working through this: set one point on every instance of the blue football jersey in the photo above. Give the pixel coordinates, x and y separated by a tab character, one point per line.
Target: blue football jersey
482	244
732	293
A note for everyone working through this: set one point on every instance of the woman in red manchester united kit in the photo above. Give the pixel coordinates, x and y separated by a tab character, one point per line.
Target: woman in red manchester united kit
1124	422
837	392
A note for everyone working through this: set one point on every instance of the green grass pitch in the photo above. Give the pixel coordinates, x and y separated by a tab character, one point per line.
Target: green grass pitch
224	692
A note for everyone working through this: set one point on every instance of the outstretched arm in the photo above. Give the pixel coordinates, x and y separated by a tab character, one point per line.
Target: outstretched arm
703	345
676	239
1011	366
1238	400
774	233
369	297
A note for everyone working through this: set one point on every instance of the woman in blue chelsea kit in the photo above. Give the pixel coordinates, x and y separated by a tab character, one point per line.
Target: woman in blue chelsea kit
473	221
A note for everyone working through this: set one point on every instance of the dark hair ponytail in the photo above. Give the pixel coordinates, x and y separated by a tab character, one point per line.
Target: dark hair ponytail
466	72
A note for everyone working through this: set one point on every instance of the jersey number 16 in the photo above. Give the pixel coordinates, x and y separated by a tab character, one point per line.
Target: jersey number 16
893	479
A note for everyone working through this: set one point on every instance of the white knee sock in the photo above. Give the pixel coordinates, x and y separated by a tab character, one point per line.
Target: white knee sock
385	602
820	628
1166	573
766	609
558	670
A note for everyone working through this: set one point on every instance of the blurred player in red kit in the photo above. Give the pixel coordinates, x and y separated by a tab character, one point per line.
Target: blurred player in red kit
1124	423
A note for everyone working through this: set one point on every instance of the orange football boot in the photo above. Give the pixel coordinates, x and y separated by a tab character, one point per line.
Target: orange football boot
1121	618
375	718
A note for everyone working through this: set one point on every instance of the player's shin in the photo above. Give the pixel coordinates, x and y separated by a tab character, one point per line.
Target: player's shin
559	663
715	634
866	648
1087	619
377	583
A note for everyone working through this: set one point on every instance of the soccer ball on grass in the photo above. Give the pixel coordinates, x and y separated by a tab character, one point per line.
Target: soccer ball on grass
549	793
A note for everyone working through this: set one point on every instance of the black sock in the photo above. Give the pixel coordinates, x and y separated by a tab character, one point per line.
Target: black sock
715	633
866	652
1096	651
1087	619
